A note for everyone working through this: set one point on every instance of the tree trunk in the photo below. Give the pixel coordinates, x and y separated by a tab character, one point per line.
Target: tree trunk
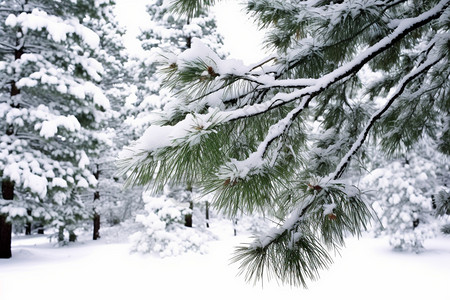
72	236
28	228
6	227
188	218
8	185
8	194
28	225
5	237
188	38
96	232
207	214
60	234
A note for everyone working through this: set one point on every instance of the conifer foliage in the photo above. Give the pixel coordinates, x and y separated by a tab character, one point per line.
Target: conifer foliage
51	109
278	136
167	36
402	193
162	227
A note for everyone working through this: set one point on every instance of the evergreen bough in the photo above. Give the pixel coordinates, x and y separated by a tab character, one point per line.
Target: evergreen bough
278	136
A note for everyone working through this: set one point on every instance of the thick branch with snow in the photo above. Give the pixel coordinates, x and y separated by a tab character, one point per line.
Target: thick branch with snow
276	136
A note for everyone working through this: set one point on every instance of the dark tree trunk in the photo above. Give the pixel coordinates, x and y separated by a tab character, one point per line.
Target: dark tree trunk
6	227
60	234
188	38
5	237
28	225
96	232
40	230
188	42
8	185
207	214
188	218
14	89
8	194
72	236
28	228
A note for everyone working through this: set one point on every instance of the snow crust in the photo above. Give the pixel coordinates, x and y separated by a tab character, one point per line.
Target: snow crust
105	269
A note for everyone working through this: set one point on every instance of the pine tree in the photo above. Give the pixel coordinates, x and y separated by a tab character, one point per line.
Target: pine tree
401	193
108	196
51	108
163	229
278	136
168	35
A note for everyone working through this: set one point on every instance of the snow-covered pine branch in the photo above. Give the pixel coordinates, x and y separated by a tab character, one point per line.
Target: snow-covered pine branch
273	137
365	132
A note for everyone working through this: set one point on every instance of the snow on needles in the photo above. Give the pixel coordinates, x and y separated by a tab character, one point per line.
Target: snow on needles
201	52
50	128
57	28
188	130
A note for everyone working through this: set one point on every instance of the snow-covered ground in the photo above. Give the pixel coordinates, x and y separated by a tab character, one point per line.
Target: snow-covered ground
366	269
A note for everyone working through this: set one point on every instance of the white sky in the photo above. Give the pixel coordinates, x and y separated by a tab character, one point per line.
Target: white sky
241	37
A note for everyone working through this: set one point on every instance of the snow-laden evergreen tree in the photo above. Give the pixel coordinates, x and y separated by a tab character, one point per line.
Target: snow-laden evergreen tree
402	191
441	203
109	199
168	34
51	109
163	229
278	136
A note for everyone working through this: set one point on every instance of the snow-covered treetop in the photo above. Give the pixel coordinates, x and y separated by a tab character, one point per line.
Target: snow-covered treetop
57	28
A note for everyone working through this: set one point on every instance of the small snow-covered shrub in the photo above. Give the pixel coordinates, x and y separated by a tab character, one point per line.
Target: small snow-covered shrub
442	203
445	229
163	231
401	196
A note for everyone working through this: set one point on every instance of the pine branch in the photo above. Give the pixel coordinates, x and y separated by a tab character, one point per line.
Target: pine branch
255	159
8	46
403	28
259	65
365	132
296	250
190	8
228	144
